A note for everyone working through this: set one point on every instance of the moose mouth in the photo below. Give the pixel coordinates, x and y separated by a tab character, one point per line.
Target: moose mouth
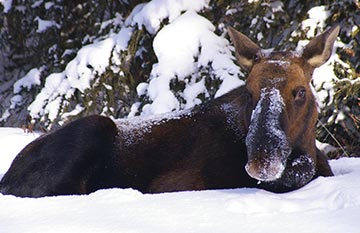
267	144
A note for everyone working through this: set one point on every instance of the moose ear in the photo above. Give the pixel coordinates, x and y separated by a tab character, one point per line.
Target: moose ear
319	49
246	50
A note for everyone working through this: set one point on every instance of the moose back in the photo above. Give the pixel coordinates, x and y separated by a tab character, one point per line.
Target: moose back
259	135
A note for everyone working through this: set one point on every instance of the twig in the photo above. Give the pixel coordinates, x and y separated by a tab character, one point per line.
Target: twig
333	137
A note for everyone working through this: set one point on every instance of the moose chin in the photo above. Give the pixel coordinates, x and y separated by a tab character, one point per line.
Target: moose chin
259	135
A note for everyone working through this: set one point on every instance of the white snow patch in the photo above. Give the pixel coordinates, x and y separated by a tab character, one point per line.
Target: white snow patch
48	5
7	4
323	80
151	14
76	111
191	92
90	59
229	83
276	6
311	209
254	21
134	128
12	140
43	25
316	20
141	88
52	108
259	36
278	62
37	3
32	78
55	85
325	147
15	101
302	159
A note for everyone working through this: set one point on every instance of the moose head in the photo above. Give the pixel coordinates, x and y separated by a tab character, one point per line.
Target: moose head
284	108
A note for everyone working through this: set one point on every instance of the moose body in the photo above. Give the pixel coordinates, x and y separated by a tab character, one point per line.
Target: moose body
263	131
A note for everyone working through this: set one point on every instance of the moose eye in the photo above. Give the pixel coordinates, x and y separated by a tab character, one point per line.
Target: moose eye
300	95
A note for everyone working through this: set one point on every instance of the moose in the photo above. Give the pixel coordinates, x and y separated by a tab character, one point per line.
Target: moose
259	135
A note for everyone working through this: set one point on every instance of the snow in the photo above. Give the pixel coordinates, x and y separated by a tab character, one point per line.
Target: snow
76	111
192	90
6	4
276	6
325	147
43	25
183	48
48	5
316	20
55	85
154	12
184	44
278	62
91	60
12	140
329	205
37	3
32	78
134	128
323	79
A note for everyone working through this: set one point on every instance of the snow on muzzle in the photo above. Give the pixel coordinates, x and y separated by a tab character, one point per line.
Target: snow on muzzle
267	144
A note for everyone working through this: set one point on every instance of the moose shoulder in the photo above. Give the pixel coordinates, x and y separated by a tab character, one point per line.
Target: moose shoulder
259	135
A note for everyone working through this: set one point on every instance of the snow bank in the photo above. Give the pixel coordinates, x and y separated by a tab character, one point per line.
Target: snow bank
329	205
12	140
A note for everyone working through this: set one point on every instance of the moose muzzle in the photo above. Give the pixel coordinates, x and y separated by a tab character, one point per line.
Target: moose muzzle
267	144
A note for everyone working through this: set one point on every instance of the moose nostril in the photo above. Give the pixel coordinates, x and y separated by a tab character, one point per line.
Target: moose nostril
263	171
249	167
253	170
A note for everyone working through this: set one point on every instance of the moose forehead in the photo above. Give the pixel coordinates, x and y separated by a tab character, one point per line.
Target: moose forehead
279	70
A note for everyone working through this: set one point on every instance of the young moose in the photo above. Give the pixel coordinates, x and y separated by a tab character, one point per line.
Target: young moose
259	135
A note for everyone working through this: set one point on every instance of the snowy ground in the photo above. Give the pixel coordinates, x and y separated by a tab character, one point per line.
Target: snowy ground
325	205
